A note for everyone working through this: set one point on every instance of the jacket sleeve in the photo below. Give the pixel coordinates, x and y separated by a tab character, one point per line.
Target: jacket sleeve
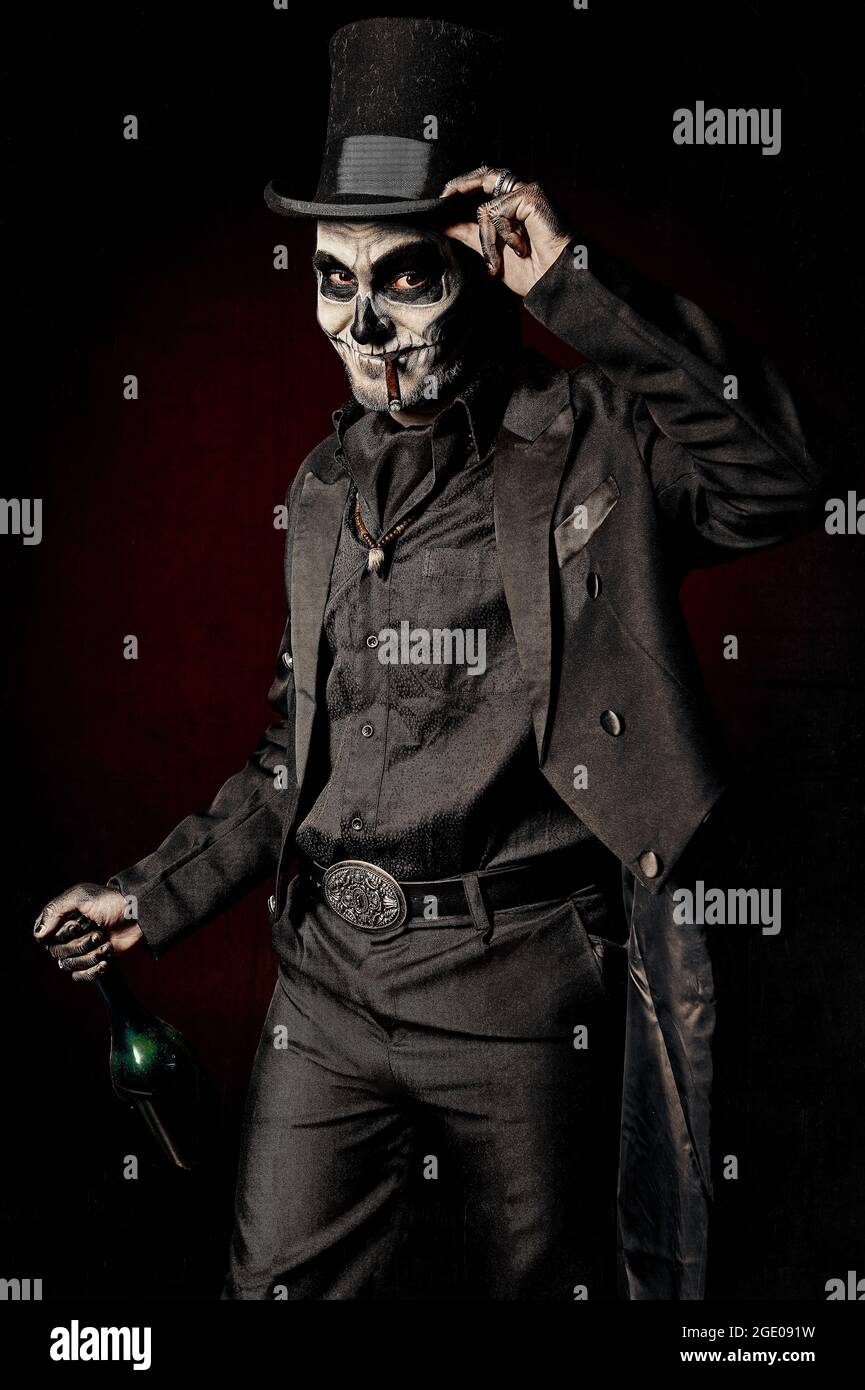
214	857
713	421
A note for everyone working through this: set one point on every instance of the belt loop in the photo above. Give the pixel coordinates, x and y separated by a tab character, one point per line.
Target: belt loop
477	907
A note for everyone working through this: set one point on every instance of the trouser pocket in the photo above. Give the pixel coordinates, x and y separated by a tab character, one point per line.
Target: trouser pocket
286	933
592	912
612	962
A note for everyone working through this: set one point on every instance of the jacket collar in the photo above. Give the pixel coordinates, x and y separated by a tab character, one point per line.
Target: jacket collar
541	392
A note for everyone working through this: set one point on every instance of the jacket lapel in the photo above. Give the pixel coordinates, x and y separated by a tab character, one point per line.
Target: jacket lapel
527	474
319	518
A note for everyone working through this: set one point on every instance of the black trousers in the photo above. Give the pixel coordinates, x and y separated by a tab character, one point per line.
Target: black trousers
502	1036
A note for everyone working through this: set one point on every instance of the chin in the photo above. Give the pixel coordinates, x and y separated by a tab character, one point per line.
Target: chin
372	395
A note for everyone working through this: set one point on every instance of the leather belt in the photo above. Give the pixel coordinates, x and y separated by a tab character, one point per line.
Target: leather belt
371	899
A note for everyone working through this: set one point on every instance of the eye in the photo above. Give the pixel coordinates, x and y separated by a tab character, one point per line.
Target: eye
340	277
409	280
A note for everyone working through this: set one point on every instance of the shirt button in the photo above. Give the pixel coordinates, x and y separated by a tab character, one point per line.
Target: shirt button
593	583
650	863
611	723
367	731
288	660
372	640
271	904
356	823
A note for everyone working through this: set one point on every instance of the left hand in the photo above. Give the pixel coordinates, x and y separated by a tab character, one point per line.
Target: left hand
85	926
518	234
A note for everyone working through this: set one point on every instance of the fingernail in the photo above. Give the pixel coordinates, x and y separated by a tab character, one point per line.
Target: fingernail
37	926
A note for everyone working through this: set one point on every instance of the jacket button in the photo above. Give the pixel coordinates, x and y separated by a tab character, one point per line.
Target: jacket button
650	863
356	823
288	660
593	583
367	731
271	904
612	723
372	640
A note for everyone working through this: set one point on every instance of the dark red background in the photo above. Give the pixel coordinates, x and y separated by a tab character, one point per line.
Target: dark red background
155	258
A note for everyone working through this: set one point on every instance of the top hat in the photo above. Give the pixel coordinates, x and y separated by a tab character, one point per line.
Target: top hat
413	102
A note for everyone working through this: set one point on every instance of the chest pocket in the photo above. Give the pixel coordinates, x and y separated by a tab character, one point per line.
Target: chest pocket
459	594
574	533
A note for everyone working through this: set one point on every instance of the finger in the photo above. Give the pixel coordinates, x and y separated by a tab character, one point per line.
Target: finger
510	233
489	243
86	976
517	205
76	965
73	951
72	928
466	232
480	180
471	182
57	910
515	208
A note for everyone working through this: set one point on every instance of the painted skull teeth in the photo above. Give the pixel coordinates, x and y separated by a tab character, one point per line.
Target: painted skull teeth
415	354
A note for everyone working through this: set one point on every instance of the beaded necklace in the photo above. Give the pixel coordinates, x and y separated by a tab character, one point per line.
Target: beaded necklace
375	559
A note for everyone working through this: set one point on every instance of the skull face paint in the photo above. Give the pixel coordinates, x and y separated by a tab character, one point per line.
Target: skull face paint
392	291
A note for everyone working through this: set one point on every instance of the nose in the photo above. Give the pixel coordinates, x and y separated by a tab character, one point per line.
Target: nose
366	326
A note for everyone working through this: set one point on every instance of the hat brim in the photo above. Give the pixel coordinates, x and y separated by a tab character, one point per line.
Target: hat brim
369	210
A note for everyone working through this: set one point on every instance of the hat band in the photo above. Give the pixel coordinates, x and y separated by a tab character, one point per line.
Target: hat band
389	165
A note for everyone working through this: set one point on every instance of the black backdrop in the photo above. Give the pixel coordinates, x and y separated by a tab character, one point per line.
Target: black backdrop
155	257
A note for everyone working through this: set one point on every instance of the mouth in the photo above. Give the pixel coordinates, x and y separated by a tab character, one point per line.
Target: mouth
410	355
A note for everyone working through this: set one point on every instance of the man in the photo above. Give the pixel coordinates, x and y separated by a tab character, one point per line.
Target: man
485	697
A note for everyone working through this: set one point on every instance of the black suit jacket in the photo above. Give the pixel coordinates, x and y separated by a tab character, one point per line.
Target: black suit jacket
674	446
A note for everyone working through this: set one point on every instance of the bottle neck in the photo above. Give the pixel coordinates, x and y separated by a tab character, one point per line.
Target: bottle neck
117	996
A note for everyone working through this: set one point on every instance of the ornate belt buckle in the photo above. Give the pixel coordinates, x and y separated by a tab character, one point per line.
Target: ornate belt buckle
364	895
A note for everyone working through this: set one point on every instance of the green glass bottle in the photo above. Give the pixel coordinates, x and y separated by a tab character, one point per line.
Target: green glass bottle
155	1070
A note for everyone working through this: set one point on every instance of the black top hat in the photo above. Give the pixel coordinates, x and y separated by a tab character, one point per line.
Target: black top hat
413	102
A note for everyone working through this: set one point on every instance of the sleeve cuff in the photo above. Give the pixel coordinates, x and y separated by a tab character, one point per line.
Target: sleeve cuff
156	938
547	291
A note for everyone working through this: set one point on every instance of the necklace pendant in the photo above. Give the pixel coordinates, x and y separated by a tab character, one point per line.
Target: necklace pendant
376	559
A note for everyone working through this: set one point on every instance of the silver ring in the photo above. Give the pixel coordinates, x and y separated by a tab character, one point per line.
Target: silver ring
504	183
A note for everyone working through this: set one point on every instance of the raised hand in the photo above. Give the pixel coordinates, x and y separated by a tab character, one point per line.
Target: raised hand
518	232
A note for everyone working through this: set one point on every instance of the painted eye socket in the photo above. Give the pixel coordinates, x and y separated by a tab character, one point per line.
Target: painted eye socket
340	277
409	280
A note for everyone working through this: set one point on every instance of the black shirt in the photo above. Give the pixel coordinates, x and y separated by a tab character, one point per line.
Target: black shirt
431	761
